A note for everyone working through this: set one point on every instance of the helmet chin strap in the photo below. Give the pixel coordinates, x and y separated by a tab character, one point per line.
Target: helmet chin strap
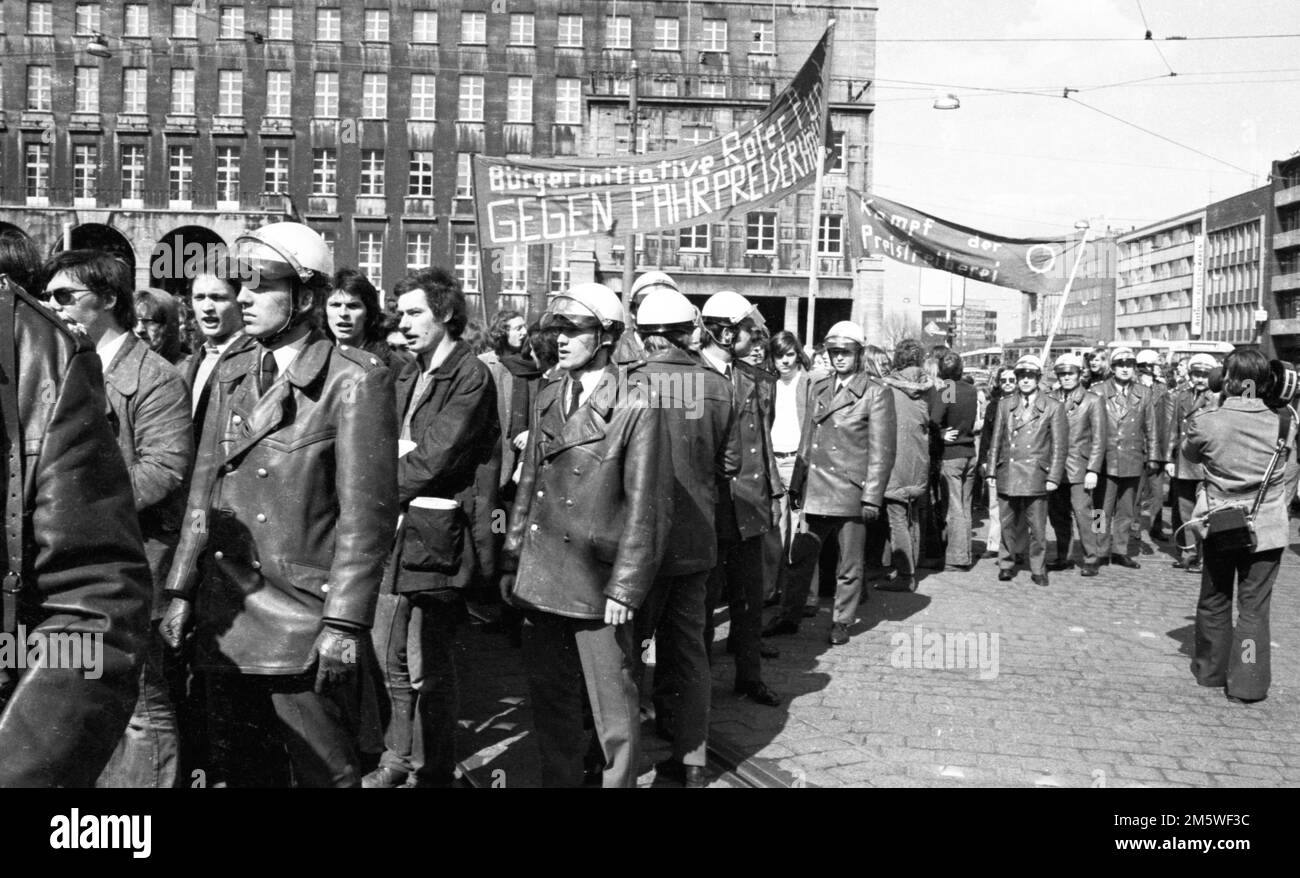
295	319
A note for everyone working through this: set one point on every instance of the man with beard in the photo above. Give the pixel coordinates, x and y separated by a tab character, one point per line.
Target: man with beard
1086	415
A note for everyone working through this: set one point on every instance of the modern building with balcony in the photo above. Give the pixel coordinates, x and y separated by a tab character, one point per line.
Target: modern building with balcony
156	125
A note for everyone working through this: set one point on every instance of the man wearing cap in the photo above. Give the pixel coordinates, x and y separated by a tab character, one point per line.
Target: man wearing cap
1132	445
629	348
846	453
1151	493
587	535
1086	416
1184	476
748	504
1026	463
290	516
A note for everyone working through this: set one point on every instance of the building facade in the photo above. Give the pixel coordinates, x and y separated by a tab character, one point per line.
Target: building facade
1237	281
151	127
1090	308
1157	267
972	325
1283	306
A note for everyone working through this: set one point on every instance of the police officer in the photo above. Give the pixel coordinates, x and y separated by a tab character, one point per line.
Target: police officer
629	349
588	532
1132	445
1027	463
1184	476
1152	491
696	402
846	454
1086	415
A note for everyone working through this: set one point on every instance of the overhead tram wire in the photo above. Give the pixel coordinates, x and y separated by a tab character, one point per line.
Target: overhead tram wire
1160	136
1152	40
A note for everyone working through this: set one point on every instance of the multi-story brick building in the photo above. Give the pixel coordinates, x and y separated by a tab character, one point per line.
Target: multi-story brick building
1157	264
970	326
1090	309
149	124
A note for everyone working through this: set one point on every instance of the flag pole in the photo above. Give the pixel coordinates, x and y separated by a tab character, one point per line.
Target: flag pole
629	242
813	262
1065	294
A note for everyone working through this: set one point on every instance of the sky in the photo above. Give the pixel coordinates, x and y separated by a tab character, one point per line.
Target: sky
1019	164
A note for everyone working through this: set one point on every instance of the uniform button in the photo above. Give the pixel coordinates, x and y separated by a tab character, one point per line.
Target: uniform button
533	528
325	589
261	516
343	347
256	565
568	502
541	493
218	555
262	473
566	538
374	362
576	471
230	467
237	419
753	451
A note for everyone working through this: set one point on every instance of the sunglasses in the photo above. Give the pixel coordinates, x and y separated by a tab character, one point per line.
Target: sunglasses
1007	380
1199	373
65	296
1027	373
839	352
1123	364
1067	371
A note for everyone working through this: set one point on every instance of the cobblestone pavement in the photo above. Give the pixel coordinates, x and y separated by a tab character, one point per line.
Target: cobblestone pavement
1082	683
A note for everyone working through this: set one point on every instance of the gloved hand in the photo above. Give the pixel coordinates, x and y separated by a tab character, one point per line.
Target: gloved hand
870	513
796	500
175	621
1170	470
1153	467
1051	487
336	654
1089	481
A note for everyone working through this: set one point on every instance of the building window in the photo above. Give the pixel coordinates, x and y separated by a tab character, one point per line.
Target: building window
568	101
521	29
760	91
667	34
519	99
86	91
760	232
327	95
464	175
39	87
618	32
424	26
419	250
376	26
40	18
184	23
473	28
327	235
180	173
230	93
465	251
421	176
836	147
471	99
328	26
374	95
372	172
713	88
85	170
694	237
764	38
38	170
570	32
665	86
559	259
132	173
276	159
183	92
324	172
135	22
228	174
231	23
370	257
87	19
423	96
279	23
514	269
714	36
830	238
135	90
278	88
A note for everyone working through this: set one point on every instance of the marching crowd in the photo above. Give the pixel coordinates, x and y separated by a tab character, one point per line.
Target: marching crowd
274	527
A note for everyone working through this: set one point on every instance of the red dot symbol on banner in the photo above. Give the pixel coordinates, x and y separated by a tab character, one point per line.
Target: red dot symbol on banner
1040	258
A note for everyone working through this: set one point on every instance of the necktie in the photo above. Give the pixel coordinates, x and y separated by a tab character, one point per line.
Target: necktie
575	398
266	377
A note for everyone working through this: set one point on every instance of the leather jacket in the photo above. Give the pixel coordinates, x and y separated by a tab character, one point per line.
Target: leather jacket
847	449
1086	414
745	500
1026	454
292	508
83	565
1133	438
1186	404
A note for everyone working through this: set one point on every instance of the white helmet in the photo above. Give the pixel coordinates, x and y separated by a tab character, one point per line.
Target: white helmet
730	308
651	280
285	249
665	310
587	306
845	332
1202	361
1148	357
1068	361
1029	361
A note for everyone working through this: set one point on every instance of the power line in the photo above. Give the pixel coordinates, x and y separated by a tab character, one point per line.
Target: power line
1148	37
1164	138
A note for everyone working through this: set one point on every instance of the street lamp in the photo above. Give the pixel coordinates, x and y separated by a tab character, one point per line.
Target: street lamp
947	102
98	47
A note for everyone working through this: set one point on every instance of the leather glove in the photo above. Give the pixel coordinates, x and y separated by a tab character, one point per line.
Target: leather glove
1153	468
175	621
1051	487
1170	469
870	513
1089	481
336	654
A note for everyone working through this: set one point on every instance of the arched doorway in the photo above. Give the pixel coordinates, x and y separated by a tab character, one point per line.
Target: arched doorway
97	236
180	254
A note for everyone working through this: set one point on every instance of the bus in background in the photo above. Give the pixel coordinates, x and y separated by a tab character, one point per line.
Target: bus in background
1033	344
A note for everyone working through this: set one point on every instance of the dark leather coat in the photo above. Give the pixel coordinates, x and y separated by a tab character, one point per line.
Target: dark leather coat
292	508
847	449
1025	455
745	500
83	564
696	402
1185	404
1086	414
1133	438
595	497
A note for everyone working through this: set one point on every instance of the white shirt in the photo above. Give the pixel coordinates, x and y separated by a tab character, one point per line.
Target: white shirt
589	380
108	350
786	428
721	367
211	354
286	354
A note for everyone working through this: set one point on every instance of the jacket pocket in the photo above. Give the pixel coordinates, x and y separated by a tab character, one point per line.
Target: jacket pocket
431	539
307	577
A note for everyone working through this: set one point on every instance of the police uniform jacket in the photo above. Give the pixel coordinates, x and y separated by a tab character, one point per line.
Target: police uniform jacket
847	448
292	507
1028	450
595	497
1133	438
1187	403
1086	414
745	500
